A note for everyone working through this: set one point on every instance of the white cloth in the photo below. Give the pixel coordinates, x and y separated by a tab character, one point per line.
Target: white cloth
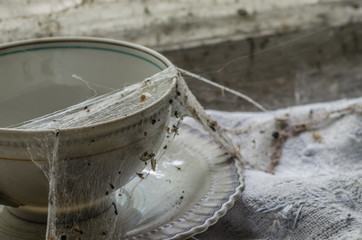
315	191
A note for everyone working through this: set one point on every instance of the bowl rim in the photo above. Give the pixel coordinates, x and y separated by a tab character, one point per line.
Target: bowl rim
121	43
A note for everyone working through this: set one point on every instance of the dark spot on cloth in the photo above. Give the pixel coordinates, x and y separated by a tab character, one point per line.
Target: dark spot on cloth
145	134
111	185
165	147
107	192
275	135
104	233
311	113
146	10
310	152
63	237
242	12
212	127
170	101
212	124
86	107
153	121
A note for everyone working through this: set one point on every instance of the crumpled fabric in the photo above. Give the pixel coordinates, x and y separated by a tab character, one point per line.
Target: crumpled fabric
303	173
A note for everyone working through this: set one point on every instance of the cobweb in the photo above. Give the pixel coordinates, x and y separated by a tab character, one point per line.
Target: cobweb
66	222
234	137
66	178
107	107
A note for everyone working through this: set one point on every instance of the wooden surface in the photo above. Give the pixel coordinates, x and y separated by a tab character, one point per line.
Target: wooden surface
279	52
317	65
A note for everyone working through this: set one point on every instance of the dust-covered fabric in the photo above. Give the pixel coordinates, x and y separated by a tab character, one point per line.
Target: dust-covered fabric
303	175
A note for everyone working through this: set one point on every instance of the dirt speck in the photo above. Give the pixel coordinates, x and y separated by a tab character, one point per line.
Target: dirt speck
317	137
143	98
242	12
275	135
141	175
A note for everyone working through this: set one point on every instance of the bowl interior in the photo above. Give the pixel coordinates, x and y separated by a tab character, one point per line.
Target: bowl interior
40	77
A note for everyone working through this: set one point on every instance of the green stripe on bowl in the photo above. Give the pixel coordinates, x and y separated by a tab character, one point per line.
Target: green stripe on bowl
82	47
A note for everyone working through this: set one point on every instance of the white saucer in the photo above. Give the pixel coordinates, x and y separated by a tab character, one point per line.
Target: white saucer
194	185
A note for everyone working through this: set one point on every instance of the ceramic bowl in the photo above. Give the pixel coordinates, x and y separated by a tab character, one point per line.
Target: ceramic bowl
36	79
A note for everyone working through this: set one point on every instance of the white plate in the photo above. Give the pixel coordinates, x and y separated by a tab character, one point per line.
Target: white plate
195	183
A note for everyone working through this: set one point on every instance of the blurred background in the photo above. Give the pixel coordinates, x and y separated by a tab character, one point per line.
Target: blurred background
279	52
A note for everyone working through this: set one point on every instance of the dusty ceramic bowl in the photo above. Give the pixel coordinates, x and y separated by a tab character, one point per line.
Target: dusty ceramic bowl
36	79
